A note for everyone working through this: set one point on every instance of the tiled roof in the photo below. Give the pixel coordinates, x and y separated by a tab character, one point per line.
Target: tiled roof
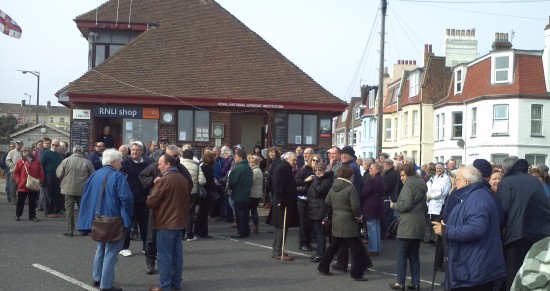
198	51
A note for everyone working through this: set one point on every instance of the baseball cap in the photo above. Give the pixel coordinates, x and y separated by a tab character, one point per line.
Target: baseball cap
239	147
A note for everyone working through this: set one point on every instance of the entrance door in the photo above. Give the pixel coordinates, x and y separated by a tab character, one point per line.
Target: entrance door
248	130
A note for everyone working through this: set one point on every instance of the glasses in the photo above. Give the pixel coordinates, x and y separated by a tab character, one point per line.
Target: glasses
55	145
315	160
318	170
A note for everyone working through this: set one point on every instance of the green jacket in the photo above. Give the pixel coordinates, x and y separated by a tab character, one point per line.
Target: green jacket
50	160
412	208
240	181
344	201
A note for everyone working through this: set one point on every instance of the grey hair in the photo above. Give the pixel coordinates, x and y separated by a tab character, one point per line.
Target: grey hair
508	162
369	161
77	149
471	174
409	159
109	156
173	148
186	147
228	151
440	164
288	155
137	143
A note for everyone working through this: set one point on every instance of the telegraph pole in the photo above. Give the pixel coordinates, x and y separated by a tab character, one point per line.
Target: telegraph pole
380	93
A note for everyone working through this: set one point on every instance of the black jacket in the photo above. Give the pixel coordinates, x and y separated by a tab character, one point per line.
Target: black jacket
300	177
132	171
316	195
391	179
284	195
525	206
147	176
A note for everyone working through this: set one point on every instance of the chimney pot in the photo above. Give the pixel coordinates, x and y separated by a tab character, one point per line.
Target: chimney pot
426	47
414	62
430	48
448	32
496	36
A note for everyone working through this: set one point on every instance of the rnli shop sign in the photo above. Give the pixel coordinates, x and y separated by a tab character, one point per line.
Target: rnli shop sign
124	112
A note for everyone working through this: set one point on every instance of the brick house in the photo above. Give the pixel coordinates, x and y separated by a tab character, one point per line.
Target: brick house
192	72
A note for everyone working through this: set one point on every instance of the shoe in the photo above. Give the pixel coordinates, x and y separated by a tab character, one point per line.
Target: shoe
360	279
305	249
193	238
373	254
149	269
311	247
83	233
366	241
52	215
315	259
239	236
155	289
397	286
339	268
126	253
17	218
285	254
255	229
205	236
95	283
68	234
34	219
325	274
284	258
414	287
113	289
234	225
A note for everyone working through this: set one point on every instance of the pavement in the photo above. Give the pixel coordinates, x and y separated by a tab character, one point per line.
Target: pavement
36	256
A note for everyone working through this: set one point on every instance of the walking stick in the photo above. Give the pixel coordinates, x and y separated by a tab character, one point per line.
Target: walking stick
284	232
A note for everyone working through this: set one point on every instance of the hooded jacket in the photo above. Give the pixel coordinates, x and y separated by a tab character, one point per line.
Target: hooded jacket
346	209
411	206
526	209
316	195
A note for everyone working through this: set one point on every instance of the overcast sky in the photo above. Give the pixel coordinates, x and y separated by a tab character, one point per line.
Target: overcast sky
335	42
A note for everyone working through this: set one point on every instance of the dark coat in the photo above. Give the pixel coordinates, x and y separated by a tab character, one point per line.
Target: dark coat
526	209
346	209
95	158
284	195
169	200
208	172
240	181
302	186
412	208
372	197
269	180
147	176
316	195
132	171
391	180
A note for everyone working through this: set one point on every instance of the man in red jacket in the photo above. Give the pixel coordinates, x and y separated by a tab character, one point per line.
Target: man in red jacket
169	201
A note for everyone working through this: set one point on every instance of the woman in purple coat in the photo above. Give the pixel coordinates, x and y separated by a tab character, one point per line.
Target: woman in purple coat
372	206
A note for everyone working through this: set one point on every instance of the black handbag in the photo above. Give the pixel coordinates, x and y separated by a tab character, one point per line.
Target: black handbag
106	228
201	192
391	232
326	223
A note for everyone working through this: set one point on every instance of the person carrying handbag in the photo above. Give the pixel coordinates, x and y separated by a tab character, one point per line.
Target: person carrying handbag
27	168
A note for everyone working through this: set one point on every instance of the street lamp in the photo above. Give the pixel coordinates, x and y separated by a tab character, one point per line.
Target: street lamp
37	74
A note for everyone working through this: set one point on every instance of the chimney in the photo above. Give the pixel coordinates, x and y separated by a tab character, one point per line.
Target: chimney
386	74
501	42
546	56
427	53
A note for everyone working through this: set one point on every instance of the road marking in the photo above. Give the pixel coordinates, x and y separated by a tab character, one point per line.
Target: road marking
306	255
65	277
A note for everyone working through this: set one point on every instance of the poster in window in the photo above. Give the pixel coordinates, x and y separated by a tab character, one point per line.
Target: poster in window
129	125
298	139
183	135
309	139
201	134
324	126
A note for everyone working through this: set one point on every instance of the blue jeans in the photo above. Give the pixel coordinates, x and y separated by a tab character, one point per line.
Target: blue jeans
320	236
373	232
170	258
408	250
242	217
105	261
7	188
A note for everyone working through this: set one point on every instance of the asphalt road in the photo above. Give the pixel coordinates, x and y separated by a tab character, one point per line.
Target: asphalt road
36	256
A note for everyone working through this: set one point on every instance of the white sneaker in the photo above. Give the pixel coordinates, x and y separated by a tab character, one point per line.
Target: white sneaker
125	253
192	239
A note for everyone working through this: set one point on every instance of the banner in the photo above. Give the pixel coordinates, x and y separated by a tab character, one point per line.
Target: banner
8	26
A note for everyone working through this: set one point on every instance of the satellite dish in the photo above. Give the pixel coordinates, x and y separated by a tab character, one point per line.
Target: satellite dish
460	143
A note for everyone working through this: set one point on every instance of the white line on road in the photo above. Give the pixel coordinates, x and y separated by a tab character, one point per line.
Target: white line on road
65	277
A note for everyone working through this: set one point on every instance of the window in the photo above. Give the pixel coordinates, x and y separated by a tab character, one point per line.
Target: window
388	129
372	129
536	120
193	125
458	81
415	124
474	121
396	123
415	156
51	119
358	136
437	136
498	158
140	129
351	137
372	97
414	84
341	138
500	119
107	43
440	122
405	124
62	119
502	69
303	129
357	113
457	125
344	115
458	160
536	159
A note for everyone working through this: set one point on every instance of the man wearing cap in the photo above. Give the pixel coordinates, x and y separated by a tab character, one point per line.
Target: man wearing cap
347	156
11	160
382	157
163	143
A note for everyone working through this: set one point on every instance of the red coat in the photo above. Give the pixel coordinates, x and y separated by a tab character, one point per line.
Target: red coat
20	175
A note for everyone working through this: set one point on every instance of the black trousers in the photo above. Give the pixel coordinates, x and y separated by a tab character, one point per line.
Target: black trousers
201	225
514	254
141	216
21	197
357	255
304	237
151	242
52	193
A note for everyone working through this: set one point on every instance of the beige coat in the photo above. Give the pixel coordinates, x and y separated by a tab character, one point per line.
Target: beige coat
73	172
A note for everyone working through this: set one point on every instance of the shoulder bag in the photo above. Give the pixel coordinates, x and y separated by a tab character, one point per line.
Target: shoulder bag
106	228
201	190
32	182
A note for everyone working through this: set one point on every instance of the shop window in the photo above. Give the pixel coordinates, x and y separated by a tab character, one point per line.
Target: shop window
302	129
193	125
142	130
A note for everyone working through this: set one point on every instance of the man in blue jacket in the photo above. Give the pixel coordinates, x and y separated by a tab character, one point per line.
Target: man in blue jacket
472	231
117	200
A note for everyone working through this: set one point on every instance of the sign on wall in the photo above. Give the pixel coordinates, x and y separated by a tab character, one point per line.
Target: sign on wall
81	114
126	112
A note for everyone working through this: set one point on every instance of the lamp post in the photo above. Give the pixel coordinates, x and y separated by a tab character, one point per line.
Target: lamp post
37	74
28	108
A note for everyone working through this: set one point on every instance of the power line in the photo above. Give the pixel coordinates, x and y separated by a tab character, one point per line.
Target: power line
475	2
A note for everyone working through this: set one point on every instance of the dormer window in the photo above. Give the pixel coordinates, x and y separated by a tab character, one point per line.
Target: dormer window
372	96
501	68
458	81
414	79
357	113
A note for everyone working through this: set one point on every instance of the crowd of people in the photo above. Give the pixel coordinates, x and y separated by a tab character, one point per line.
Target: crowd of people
481	218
